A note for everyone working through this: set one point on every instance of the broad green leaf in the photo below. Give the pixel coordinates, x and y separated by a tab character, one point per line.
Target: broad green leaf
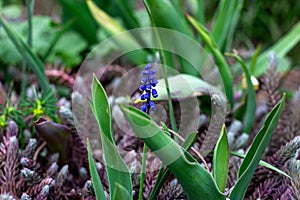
99	191
255	152
195	180
34	62
218	57
160	179
228	12
249	116
263	163
121	193
183	86
280	48
117	170
220	160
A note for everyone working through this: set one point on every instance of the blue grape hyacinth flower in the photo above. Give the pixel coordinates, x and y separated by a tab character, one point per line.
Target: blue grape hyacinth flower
148	83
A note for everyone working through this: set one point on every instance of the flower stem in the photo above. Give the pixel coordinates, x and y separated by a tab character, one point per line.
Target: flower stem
142	177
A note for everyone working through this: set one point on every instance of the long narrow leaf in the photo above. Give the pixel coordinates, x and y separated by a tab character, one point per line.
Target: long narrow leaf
223	21
220	160
280	48
249	117
125	42
255	152
263	163
34	62
164	14
117	170
99	191
218	57
195	180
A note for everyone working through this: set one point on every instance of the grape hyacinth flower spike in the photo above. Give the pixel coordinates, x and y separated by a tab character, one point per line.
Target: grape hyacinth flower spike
148	83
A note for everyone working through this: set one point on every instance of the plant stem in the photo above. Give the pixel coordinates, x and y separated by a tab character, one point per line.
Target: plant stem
142	177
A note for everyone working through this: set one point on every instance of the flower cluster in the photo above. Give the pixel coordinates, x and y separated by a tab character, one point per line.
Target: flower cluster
148	83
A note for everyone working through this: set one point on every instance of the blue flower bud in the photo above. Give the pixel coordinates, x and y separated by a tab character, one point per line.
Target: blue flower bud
144	80
151	103
145	72
154	93
152	72
144	108
153	108
151	77
142	87
154	82
148	66
148	87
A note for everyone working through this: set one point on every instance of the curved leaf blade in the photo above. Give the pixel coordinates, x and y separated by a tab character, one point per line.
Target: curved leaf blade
255	152
220	160
99	191
218	57
195	180
249	117
121	193
116	168
264	164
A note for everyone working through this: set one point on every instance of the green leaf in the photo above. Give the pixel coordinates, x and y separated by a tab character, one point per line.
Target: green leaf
195	180
84	23
249	117
220	160
99	191
228	12
218	57
255	152
117	170
164	14
161	177
280	48
128	14
263	163
34	62
127	43
121	193
183	86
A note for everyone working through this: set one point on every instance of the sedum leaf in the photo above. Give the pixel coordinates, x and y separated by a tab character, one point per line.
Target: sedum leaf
195	180
220	160
116	168
255	152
